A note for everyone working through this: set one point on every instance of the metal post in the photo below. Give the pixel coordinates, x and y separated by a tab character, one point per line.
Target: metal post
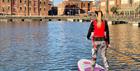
107	12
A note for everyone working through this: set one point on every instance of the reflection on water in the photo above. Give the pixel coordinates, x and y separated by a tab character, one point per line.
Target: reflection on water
125	46
57	46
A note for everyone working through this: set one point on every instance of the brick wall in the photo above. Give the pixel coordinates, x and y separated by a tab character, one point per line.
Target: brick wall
5	7
25	7
84	5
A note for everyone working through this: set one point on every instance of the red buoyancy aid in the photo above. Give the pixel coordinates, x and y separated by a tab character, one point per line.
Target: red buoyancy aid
99	31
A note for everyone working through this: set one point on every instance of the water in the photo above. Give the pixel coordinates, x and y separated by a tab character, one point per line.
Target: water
57	46
124	54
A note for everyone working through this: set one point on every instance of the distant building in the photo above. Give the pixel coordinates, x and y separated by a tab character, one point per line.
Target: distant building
66	6
128	7
25	7
125	7
75	7
106	6
53	11
87	6
5	7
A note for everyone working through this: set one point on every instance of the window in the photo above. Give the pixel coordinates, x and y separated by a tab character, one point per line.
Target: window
25	8
44	2
3	9
8	8
34	10
83	5
20	1
29	2
25	1
29	8
88	4
20	8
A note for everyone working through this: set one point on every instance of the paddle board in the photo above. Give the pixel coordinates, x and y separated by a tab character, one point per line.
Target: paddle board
88	65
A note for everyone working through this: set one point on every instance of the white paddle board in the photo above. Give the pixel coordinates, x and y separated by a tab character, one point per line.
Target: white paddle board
88	65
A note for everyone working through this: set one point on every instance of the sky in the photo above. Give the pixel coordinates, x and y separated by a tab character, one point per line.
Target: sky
56	2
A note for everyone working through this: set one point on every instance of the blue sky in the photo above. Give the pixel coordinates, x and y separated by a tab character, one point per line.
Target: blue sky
56	2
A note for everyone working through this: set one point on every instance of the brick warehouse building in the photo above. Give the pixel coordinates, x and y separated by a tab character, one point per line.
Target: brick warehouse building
25	7
78	5
129	7
5	6
106	6
90	6
126	7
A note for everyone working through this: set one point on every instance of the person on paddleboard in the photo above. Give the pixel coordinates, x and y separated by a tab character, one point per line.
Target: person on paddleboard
100	39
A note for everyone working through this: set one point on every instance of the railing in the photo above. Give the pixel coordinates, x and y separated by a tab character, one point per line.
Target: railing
40	17
125	18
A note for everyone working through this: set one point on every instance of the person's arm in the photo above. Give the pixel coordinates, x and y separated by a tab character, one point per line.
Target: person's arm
90	30
107	32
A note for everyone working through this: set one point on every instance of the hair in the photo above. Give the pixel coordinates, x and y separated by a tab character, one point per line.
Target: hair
97	12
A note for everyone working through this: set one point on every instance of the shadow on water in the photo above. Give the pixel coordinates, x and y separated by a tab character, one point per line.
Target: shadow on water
128	55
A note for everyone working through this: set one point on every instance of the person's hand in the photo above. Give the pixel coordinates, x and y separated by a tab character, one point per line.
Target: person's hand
95	48
108	46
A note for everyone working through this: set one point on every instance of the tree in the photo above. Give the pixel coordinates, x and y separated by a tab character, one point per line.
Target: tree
114	10
138	9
